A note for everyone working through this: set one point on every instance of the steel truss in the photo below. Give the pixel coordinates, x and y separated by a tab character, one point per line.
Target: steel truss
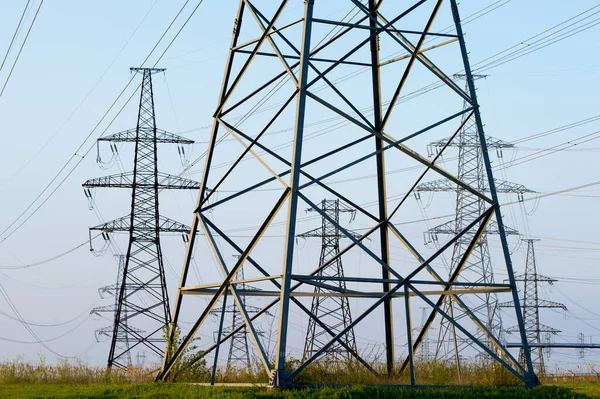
141	300
479	266
113	290
239	351
332	310
531	306
266	33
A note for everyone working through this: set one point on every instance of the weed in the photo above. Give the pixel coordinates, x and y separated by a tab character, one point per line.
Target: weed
185	391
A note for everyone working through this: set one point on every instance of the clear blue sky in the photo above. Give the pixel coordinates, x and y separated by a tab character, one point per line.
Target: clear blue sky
74	42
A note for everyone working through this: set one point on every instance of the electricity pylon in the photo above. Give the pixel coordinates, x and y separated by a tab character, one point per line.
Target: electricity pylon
333	311
479	266
291	67
239	352
113	290
581	341
531	305
423	353
142	299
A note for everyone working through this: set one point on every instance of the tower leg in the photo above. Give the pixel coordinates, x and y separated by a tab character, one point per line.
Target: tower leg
381	186
280	377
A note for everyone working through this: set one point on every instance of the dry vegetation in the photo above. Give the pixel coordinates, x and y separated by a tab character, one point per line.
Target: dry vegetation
66	372
19	379
429	373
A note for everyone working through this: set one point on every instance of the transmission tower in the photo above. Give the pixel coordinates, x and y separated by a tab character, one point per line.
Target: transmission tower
334	311
531	305
142	300
140	359
113	290
239	352
423	354
298	70
471	169
581	341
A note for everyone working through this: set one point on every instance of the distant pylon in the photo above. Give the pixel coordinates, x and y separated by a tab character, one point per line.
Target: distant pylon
140	359
333	311
478	268
581	341
113	290
239	352
531	305
423	353
143	303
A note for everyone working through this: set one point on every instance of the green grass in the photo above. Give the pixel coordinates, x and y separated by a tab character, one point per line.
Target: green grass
337	373
590	389
19	379
184	391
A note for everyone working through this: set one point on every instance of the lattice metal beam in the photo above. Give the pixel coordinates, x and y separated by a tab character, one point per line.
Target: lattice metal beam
141	309
125	180
269	32
531	305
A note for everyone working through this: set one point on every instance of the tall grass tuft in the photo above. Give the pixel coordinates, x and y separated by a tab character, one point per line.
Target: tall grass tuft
18	371
473	373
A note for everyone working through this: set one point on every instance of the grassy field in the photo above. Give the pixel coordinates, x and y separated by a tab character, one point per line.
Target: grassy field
20	379
185	391
588	389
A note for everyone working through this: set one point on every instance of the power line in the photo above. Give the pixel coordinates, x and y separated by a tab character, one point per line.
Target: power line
551	150
530	305
527	138
559	129
550	194
39	151
476	15
81	157
542	42
48	340
145	226
55	286
42	262
11	304
297	165
47	325
92	132
12	41
21	48
103	117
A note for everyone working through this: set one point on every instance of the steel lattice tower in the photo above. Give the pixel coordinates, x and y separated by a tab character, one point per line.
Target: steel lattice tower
334	311
113	290
239	352
423	353
581	341
299	59
478	268
531	305
143	302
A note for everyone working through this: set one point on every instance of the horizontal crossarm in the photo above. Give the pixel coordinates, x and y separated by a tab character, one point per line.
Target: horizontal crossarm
125	180
166	225
147	134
